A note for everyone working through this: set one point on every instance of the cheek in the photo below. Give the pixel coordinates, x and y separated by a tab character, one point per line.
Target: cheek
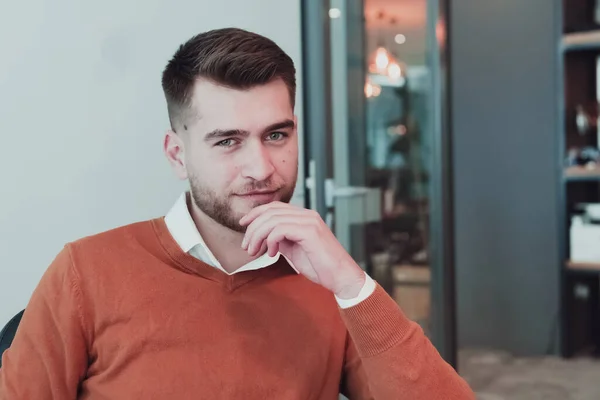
292	156
227	175
215	173
288	164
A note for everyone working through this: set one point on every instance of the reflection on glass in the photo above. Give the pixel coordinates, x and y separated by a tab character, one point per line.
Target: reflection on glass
398	134
381	143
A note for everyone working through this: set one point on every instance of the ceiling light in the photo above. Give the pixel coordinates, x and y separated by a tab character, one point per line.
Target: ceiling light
400	38
334	13
382	58
394	71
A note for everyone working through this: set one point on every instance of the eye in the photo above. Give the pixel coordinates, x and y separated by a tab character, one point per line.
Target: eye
225	143
275	136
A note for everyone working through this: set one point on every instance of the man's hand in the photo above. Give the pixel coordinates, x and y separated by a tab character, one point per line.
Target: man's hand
303	237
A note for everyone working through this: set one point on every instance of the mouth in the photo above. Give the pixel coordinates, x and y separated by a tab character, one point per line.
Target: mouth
257	192
259	195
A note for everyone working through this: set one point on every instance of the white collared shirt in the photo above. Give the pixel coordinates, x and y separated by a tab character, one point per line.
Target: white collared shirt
183	229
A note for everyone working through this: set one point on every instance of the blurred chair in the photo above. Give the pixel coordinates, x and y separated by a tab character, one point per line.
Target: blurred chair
8	333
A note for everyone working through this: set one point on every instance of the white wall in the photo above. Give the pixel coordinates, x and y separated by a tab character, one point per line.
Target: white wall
82	117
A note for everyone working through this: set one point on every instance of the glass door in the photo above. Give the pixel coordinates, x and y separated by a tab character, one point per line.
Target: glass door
376	147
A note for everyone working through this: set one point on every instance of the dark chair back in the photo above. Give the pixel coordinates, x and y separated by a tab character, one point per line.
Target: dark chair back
8	333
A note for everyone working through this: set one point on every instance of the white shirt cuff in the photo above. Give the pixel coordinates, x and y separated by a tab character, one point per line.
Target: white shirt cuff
367	289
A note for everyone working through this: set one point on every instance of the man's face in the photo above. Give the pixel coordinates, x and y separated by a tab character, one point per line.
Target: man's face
241	151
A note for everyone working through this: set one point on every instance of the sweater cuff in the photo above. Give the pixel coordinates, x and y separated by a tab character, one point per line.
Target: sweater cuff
367	290
376	324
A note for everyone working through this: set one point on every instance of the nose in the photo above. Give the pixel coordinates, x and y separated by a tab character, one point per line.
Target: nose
258	163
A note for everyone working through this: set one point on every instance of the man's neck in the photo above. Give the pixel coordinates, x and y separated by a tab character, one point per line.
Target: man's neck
224	243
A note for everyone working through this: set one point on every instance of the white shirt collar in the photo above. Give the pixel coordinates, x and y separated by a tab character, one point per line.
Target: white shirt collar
183	229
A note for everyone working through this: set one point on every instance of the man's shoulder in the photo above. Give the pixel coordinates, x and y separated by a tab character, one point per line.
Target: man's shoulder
118	236
116	243
98	259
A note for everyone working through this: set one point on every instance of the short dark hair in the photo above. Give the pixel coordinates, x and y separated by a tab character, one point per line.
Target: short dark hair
230	57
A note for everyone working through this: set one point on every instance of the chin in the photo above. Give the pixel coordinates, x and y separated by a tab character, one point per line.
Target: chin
253	201
241	207
248	205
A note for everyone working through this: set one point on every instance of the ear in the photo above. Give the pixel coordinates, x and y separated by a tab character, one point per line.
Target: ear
173	147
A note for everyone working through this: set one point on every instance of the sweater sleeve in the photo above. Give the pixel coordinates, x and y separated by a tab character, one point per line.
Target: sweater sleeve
393	357
48	357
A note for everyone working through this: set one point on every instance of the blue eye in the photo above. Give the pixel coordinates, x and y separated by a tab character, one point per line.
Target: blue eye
275	136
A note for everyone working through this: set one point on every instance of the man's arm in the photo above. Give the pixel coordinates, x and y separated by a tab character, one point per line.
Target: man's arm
389	356
395	355
48	357
355	383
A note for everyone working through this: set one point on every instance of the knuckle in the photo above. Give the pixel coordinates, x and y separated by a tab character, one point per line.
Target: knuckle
313	215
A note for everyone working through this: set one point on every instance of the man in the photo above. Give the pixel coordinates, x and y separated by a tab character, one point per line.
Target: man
234	294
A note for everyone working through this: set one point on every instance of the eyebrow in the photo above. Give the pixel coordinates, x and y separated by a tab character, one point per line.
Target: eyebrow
226	133
287	124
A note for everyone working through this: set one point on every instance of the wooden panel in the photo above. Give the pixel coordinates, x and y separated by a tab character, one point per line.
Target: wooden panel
581	40
412	291
581	172
584	266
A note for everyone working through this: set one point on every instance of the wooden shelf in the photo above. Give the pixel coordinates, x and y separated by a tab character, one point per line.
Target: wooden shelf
579	49
581	41
582	174
583	266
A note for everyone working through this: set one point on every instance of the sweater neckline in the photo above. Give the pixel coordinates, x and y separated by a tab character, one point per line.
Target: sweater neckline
192	265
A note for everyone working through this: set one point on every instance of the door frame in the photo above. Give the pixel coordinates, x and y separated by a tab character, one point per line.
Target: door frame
443	289
317	122
316	105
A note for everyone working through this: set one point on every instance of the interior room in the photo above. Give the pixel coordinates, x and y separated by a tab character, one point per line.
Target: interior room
452	147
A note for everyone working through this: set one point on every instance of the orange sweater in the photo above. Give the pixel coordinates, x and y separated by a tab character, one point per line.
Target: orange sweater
128	315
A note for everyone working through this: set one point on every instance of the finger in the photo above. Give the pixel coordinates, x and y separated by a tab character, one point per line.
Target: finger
260	232
256	211
263	249
272	248
282	233
265	216
276	236
280	236
260	227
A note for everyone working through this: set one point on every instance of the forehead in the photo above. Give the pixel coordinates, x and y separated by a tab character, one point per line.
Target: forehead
220	107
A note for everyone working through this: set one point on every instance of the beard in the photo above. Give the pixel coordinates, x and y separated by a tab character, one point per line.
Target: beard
219	208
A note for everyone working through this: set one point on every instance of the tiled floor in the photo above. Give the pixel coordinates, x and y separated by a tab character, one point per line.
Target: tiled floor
499	376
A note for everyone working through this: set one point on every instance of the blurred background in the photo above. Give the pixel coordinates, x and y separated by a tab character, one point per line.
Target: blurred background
452	146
